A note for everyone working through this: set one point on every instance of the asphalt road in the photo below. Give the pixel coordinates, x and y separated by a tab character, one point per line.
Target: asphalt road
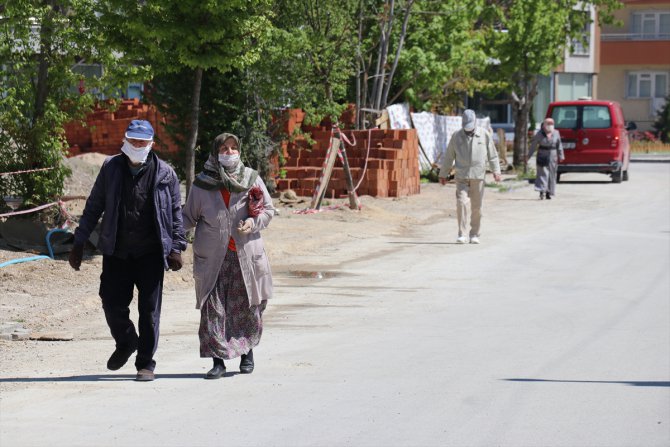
554	332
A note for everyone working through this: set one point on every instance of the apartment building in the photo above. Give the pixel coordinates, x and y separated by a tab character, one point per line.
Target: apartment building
635	60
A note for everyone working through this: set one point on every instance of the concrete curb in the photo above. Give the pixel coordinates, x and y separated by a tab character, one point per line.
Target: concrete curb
650	160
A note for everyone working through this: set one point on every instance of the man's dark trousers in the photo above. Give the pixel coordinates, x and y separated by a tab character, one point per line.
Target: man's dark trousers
117	281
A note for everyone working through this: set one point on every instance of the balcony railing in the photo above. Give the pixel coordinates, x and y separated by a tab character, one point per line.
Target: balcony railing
635	36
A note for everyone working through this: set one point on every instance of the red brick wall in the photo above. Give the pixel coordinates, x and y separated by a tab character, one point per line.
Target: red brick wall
104	130
392	164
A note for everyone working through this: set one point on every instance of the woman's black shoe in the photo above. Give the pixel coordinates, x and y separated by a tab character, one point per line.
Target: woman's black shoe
548	196
247	363
218	371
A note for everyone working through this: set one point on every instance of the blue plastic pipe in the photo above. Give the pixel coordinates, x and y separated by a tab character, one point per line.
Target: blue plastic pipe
16	261
48	238
35	258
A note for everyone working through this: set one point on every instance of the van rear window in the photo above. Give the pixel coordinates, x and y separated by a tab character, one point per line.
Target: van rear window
565	117
596	117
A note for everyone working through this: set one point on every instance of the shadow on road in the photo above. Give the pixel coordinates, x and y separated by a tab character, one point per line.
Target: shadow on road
423	243
631	383
102	378
585	182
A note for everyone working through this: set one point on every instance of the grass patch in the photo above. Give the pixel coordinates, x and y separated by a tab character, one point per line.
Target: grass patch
501	187
529	174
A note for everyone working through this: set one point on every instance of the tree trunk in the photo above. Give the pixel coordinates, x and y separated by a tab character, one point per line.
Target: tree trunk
520	133
42	87
193	130
401	41
384	55
521	110
359	68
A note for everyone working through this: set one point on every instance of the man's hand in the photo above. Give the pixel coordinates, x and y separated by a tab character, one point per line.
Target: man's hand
174	261
245	226
443	181
497	177
76	254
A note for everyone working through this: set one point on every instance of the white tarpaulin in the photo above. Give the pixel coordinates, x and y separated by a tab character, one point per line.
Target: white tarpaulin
399	116
435	131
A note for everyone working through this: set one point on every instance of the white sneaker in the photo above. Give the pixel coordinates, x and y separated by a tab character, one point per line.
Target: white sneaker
462	240
474	240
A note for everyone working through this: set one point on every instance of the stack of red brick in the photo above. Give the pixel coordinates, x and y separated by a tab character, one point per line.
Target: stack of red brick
392	163
104	130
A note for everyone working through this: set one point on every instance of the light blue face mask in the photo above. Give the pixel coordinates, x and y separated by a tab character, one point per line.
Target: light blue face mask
229	160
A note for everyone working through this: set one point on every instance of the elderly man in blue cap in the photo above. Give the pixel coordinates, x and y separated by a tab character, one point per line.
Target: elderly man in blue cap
470	148
141	236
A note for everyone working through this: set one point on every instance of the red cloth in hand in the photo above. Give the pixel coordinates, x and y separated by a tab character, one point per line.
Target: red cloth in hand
256	201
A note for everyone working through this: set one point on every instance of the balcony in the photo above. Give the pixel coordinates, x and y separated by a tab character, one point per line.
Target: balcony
631	51
634	36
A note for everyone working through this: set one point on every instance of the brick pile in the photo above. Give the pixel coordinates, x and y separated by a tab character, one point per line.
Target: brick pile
392	165
104	130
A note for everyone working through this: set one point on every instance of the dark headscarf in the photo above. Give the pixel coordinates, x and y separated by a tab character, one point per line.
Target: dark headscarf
239	178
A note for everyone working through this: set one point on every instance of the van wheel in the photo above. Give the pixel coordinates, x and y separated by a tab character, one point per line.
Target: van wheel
617	176
625	176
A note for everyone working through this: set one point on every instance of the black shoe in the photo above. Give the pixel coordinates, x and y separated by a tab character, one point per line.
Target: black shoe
541	195
548	196
119	357
247	363
218	371
145	375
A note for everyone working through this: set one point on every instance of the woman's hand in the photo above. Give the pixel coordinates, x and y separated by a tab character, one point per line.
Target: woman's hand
245	226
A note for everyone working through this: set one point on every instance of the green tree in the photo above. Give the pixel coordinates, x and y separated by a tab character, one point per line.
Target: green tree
421	51
662	123
445	54
45	47
310	63
180	36
229	102
530	39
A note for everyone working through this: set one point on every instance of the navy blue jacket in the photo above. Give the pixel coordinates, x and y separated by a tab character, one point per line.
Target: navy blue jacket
106	196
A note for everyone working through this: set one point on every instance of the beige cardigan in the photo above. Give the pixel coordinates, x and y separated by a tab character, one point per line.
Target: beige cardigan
214	225
470	155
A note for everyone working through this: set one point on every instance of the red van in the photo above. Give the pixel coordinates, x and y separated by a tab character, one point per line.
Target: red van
594	137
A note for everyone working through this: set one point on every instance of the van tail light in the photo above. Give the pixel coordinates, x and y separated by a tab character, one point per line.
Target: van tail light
615	142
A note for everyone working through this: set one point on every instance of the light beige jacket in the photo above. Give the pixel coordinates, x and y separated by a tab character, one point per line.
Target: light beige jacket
470	155
214	225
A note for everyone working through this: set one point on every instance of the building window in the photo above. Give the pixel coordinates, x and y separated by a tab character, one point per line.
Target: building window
651	25
647	85
580	47
571	86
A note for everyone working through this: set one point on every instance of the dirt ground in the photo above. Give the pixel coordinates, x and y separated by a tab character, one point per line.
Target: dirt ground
48	296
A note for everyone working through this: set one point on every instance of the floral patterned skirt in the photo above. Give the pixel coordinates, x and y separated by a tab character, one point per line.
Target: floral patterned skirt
228	326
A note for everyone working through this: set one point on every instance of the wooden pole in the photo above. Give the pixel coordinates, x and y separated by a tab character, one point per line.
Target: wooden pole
326	171
354	204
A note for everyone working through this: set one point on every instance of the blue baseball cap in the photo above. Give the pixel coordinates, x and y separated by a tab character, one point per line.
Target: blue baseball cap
140	130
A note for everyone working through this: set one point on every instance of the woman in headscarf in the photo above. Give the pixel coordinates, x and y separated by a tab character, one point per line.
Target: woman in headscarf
550	152
228	206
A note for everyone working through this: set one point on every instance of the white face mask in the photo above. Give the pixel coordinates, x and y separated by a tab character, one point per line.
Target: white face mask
136	154
549	128
228	160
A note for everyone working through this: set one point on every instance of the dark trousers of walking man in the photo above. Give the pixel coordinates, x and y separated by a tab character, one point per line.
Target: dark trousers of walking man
117	282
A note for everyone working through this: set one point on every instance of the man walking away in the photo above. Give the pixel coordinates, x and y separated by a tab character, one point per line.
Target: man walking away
470	148
141	236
